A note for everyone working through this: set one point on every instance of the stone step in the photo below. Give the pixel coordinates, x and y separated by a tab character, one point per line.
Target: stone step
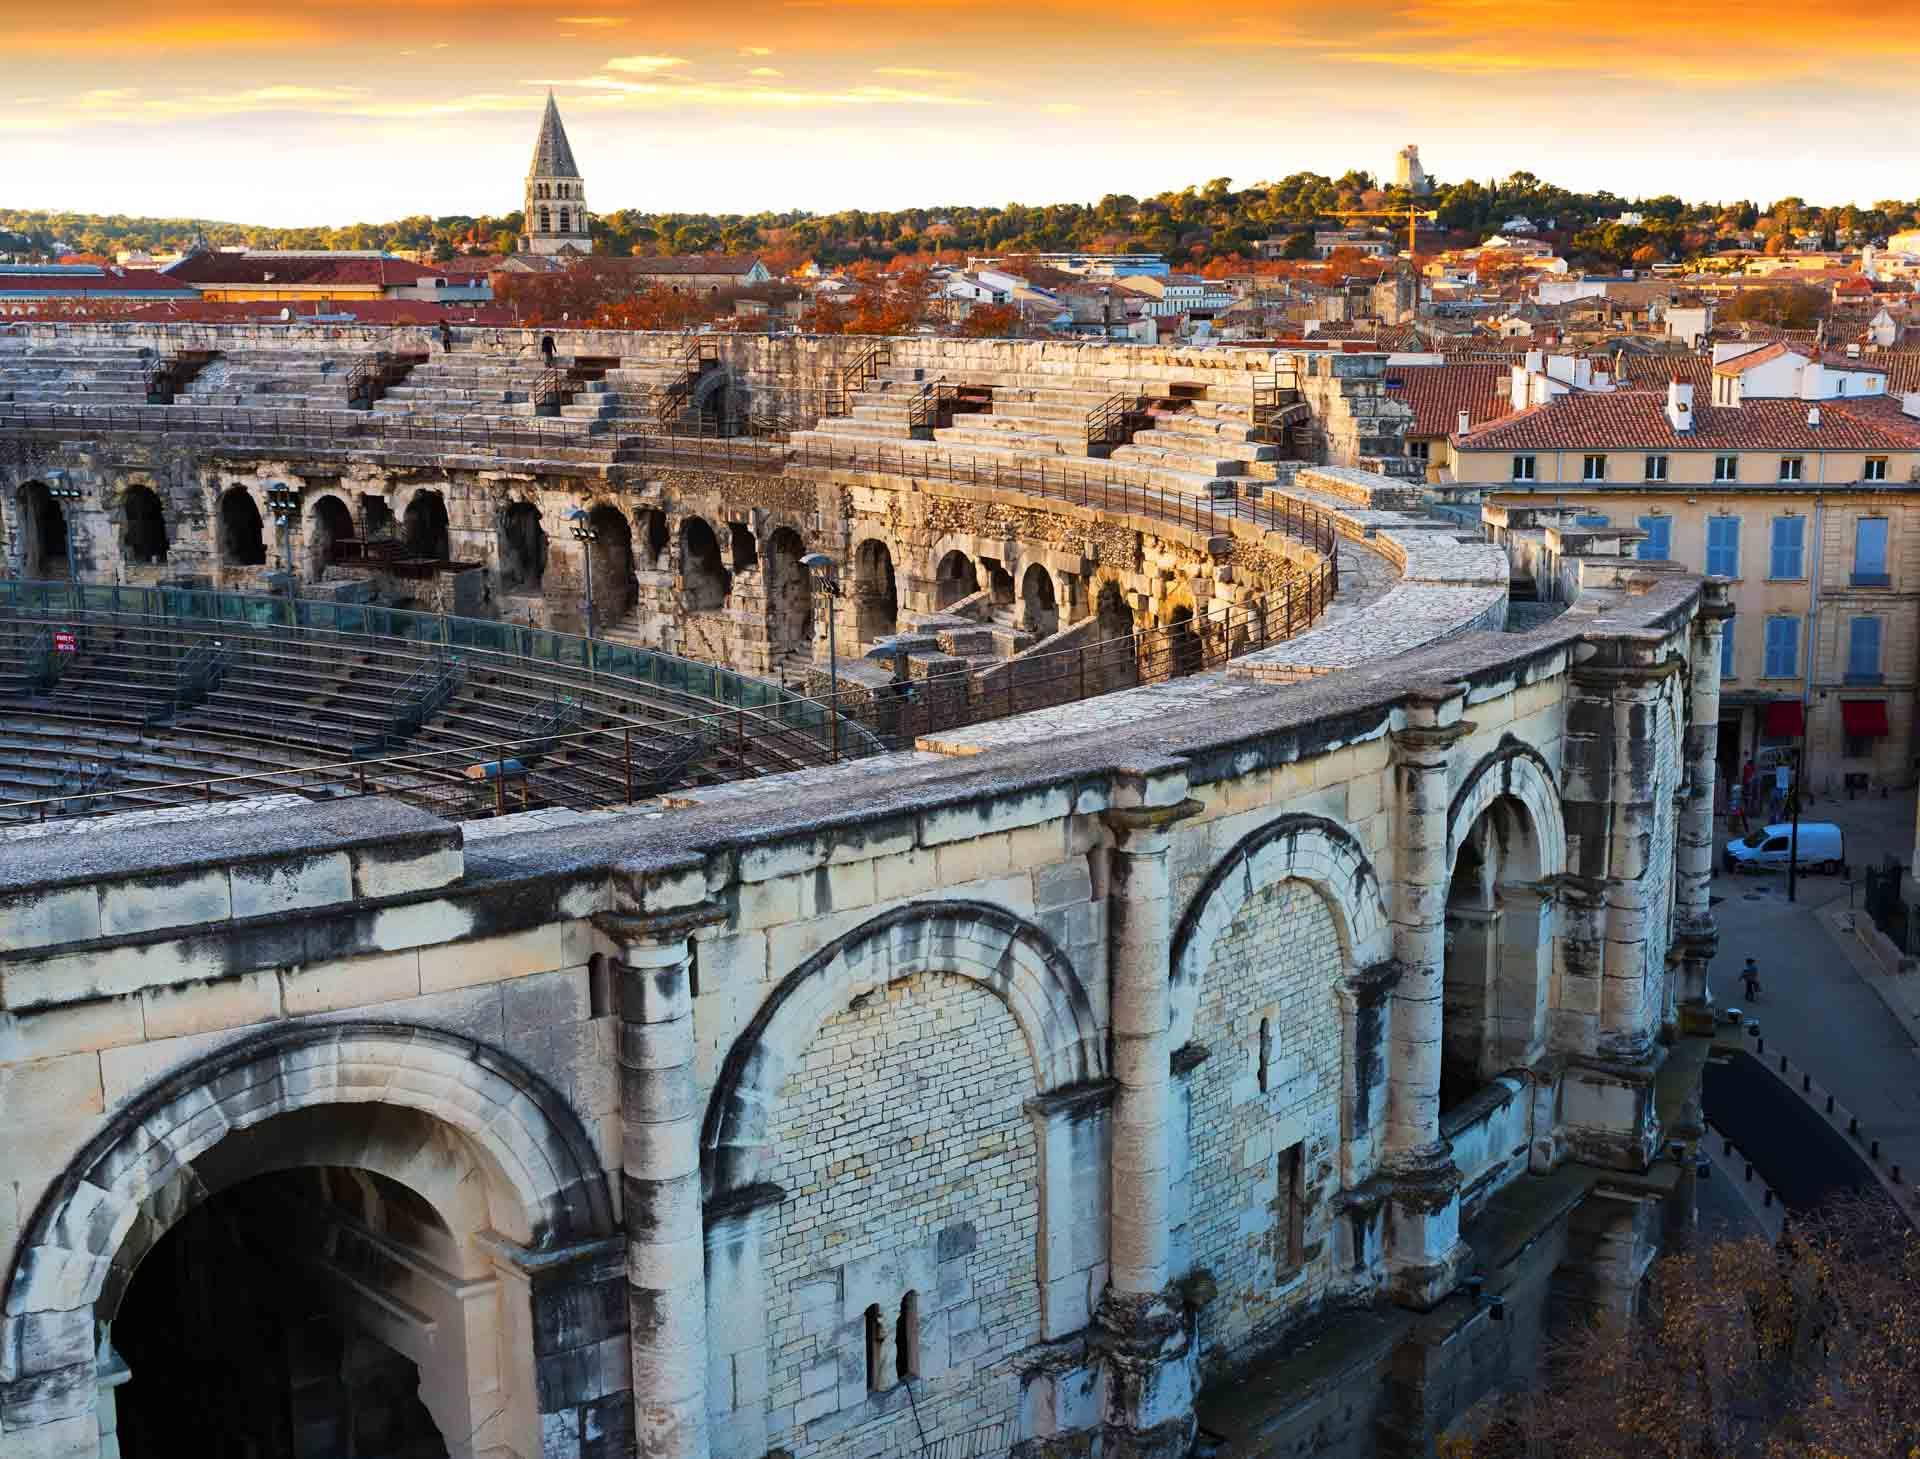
1180	460
1219	447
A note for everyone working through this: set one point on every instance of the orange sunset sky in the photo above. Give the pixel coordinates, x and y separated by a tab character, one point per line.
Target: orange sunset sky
336	111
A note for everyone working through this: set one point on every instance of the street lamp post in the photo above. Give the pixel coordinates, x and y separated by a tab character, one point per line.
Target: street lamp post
586	534
284	502
826	576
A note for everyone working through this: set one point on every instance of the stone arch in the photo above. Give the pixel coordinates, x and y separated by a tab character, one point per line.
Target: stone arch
523	548
955	577
243	540
615	588
1040	607
175	1144
789	593
1505	834
1184	651
721	402
876	598
1293	847
1015	960
143	527
741	548
425	528
1514	769
705	582
654	539
329	521
43	531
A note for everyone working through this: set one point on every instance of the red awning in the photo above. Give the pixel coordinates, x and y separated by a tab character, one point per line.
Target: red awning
1784	720
1863	717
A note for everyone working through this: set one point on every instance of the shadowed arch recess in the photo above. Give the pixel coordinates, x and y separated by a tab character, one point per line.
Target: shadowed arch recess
1015	960
1516	770
515	1123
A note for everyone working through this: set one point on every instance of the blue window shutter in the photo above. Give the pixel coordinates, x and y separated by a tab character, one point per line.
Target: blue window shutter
1787	539
1783	644
1659	532
1863	647
1870	545
1723	546
1726	649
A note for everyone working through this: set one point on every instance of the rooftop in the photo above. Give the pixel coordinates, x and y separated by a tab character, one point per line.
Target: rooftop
1637	420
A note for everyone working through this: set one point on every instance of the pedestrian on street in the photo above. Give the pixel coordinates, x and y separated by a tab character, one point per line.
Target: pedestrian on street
1747	776
1750	980
446	337
546	349
1737	807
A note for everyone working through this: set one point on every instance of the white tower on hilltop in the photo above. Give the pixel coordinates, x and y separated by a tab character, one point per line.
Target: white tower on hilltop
556	197
1410	174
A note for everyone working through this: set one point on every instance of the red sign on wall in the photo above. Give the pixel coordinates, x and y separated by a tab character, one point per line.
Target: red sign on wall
65	641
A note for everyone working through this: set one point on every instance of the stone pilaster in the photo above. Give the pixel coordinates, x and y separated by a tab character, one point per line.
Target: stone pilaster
660	1186
1698	938
1141	1330
1424	1250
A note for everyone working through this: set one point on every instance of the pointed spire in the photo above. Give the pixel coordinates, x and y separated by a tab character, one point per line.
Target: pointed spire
552	153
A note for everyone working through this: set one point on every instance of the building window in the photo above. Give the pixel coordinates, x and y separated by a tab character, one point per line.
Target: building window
1783	648
1723	547
1876	469
1290	1209
565	222
1523	468
1590	519
1789	548
1658	546
1420	450
1726	649
1656	468
1593	468
1265	1053
906	1339
1726	468
546	221
1870	553
1863	650
878	1377
1790	467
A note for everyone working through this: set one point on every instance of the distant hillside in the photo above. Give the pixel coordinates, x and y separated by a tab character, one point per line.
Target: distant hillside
1196	223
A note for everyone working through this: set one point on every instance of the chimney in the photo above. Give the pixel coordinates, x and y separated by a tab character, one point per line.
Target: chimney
1813	417
1853	351
1466	422
1680	405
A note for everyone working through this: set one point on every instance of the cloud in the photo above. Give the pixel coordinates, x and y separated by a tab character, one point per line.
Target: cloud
1063	108
922	73
765	71
645	65
144	36
611	91
597	20
756	50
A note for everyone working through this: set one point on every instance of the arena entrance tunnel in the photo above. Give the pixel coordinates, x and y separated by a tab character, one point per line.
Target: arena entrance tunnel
285	1250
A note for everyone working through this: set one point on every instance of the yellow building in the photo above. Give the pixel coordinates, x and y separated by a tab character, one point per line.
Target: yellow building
1809	507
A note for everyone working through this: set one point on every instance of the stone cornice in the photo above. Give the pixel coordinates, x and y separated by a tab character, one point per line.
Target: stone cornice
1431	739
1151	817
657	927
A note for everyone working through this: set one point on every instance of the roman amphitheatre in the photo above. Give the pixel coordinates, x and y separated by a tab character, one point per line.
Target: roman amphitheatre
735	896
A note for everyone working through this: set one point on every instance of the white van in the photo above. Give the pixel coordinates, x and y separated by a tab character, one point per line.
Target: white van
1767	848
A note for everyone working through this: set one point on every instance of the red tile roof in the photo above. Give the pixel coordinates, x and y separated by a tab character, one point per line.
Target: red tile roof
1740	364
733	264
85	285
216	269
1630	420
1438	393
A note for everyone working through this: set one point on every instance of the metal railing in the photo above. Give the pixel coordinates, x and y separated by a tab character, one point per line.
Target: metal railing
850	379
1114	421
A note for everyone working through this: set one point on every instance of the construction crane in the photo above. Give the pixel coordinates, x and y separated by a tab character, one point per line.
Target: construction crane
1412	215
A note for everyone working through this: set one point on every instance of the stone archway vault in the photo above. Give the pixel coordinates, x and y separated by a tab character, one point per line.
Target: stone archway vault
136	1178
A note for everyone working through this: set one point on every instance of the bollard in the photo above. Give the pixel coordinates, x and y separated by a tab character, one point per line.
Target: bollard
1783	1063
1829	1104
1873	1150
1853	1125
1749	1172
1806	1084
1761	1047
1895	1172
1766	1197
1729	1149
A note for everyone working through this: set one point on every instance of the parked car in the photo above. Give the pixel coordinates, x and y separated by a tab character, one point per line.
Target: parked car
1768	847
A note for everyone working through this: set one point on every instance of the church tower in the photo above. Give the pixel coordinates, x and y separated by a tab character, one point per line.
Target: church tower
556	208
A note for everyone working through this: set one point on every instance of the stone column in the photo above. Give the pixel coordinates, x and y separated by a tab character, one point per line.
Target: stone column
1698	938
1424	1250
1141	1330
660	1185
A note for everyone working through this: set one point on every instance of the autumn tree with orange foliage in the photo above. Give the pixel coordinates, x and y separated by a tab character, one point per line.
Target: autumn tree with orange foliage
884	303
1808	1349
991	321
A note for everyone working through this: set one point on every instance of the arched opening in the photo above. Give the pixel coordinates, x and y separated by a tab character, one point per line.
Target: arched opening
523	549
1036	598
955	578
876	603
546	220
566	221
655	538
615	589
1115	652
704	581
722	403
143	528
999	583
43	532
378	518
740	540
243	541
1184	652
328	522
1499	951
235	1331
789	594
424	529
1113	613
